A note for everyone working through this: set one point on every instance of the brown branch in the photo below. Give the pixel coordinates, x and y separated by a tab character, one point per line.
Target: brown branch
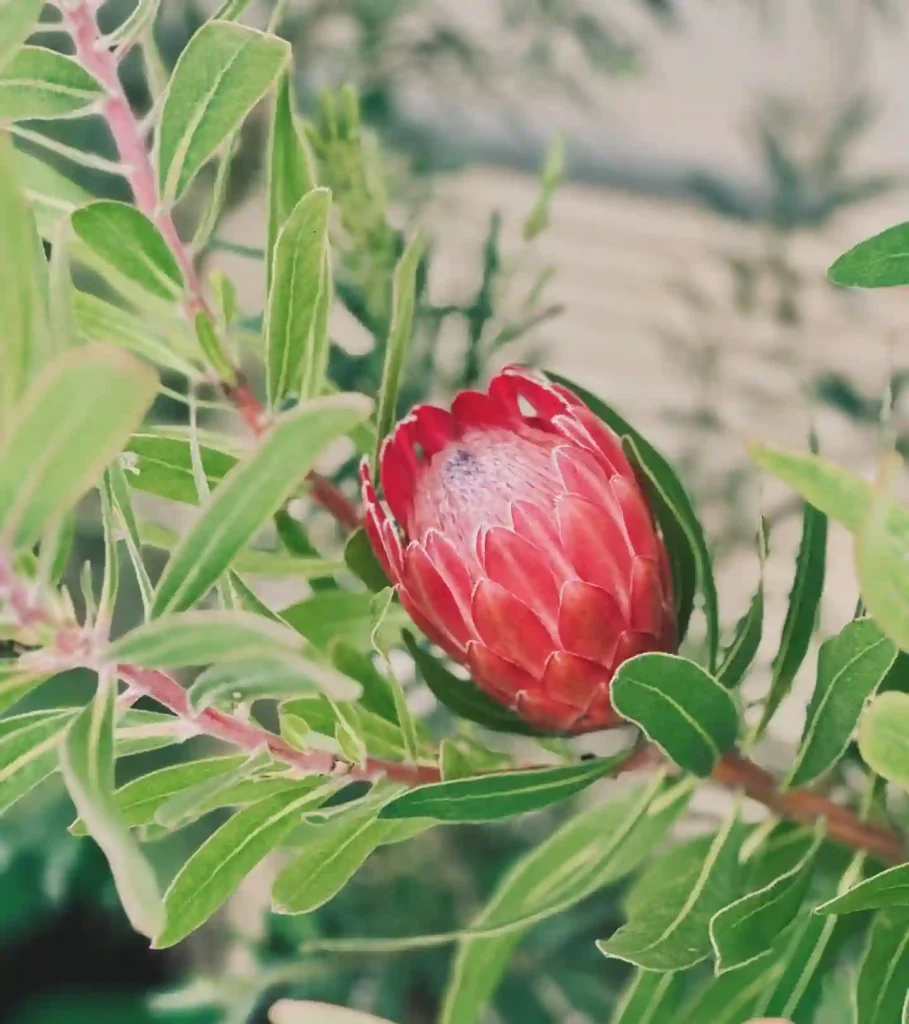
81	22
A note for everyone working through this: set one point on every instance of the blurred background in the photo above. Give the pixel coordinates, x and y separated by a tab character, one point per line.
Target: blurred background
642	195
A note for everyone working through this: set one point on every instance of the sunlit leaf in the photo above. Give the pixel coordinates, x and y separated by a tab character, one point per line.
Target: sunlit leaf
36	83
17	19
884	737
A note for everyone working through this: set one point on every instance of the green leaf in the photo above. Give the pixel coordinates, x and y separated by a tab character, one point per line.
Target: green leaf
591	850
135	26
62	332
17	21
141	731
296	328
741	652
881	554
269	674
87	764
75	419
884	737
550	178
36	84
747	929
220	76
881	991
499	795
28	751
850	667
127	243
329	860
830	489
291	168
250	494
118	494
404	297
181	808
805	954
378	693
649	999
16	683
881	261
230	10
682	708
334	614
688	554
163	466
202	638
52	195
730	998
888	889
801	614
362	562
23	325
462	696
215	870
668	927
381	737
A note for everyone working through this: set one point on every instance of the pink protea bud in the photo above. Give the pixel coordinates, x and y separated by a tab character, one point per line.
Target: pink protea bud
522	544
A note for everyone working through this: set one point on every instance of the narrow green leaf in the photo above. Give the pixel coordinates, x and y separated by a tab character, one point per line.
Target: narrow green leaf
230	10
28	752
215	870
649	999
730	998
62	331
135	26
499	795
668	931
850	667
362	562
52	195
682	708
741	652
141	731
404	297
110	586
250	494
747	929
331	615
268	675
23	325
74	421
129	244
593	849
462	696
881	554
884	737
347	734
378	694
806	953
888	889
682	531
291	167
801	614
219	193
328	862
202	638
881	991
87	764
881	261
321	715
16	683
163	466
37	84
119	497
17	20
220	76
550	178
181	808
295	349
834	491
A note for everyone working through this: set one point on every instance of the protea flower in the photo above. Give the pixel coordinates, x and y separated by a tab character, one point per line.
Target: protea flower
522	544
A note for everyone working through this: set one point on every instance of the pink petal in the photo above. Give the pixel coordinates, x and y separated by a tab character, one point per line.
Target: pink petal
500	678
646	597
434	429
600	714
536	525
573	680
636	517
517	380
595	545
584	475
590	621
509	628
473	409
451	568
631	644
432	631
544	712
399	470
521	569
432	595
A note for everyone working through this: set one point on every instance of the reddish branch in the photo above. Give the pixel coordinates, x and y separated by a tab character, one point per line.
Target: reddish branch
97	58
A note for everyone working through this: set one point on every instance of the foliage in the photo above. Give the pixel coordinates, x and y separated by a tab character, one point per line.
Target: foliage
302	740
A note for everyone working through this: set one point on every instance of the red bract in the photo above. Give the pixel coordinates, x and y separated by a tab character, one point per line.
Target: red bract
528	551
